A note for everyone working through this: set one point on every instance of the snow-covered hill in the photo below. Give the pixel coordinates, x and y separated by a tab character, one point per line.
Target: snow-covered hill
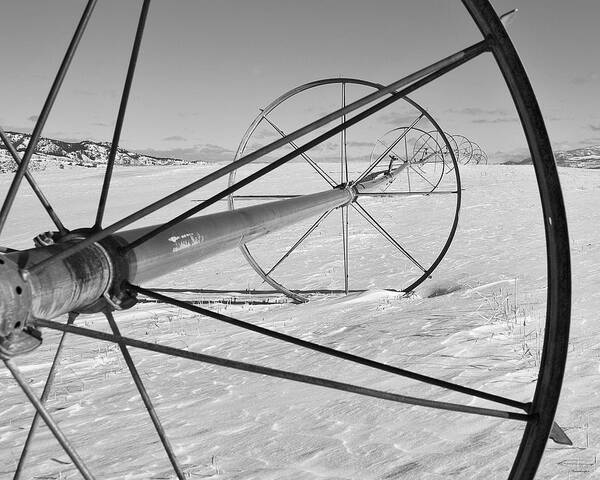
85	153
585	157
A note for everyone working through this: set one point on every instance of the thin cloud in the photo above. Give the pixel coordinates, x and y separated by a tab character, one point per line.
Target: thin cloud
495	120
590	77
486	115
476	111
87	93
357	144
595	128
205	153
33	118
399	118
265	133
175	138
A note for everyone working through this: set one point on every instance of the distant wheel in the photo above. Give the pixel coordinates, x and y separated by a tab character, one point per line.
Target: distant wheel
464	149
479	156
434	137
417	192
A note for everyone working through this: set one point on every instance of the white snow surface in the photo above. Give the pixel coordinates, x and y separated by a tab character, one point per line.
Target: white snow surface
478	322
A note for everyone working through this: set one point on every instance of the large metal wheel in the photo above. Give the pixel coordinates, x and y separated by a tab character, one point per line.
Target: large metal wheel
414	256
93	269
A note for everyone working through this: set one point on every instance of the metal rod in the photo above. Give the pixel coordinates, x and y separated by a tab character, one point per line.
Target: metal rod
420	78
259	197
387	150
405	194
41	121
385	145
330	351
310	161
300	240
344	152
421	175
344	210
34	186
43	398
408	180
121	115
253	197
277	373
367	216
50	422
145	397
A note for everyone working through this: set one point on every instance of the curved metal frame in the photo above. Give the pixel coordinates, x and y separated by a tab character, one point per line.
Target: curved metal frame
262	116
452	142
438	151
558	311
479	155
464	149
539	413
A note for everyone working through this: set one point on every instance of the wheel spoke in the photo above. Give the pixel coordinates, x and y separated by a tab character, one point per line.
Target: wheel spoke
145	397
253	197
34	186
343	143
421	175
406	156
405	194
388	150
300	240
310	161
330	351
420	78
50	422
41	121
391	151
43	398
277	373
367	216
344	210
121	115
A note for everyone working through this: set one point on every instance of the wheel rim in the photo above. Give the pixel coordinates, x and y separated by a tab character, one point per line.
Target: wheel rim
267	121
436	137
464	148
540	411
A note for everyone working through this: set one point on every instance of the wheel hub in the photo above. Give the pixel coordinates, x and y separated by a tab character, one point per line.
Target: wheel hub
86	282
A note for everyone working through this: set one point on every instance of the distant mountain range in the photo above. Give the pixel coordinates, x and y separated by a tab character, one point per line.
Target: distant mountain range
91	154
85	153
586	157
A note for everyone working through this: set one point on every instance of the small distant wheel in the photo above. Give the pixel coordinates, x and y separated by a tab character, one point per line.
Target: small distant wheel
419	194
435	138
479	156
464	149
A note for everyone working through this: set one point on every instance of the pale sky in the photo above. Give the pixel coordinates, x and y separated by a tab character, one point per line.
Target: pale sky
205	68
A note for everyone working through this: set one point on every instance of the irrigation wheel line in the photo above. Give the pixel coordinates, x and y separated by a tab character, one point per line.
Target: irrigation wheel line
433	136
91	269
426	173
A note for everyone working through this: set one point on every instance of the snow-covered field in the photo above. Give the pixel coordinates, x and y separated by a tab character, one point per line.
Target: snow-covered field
478	322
